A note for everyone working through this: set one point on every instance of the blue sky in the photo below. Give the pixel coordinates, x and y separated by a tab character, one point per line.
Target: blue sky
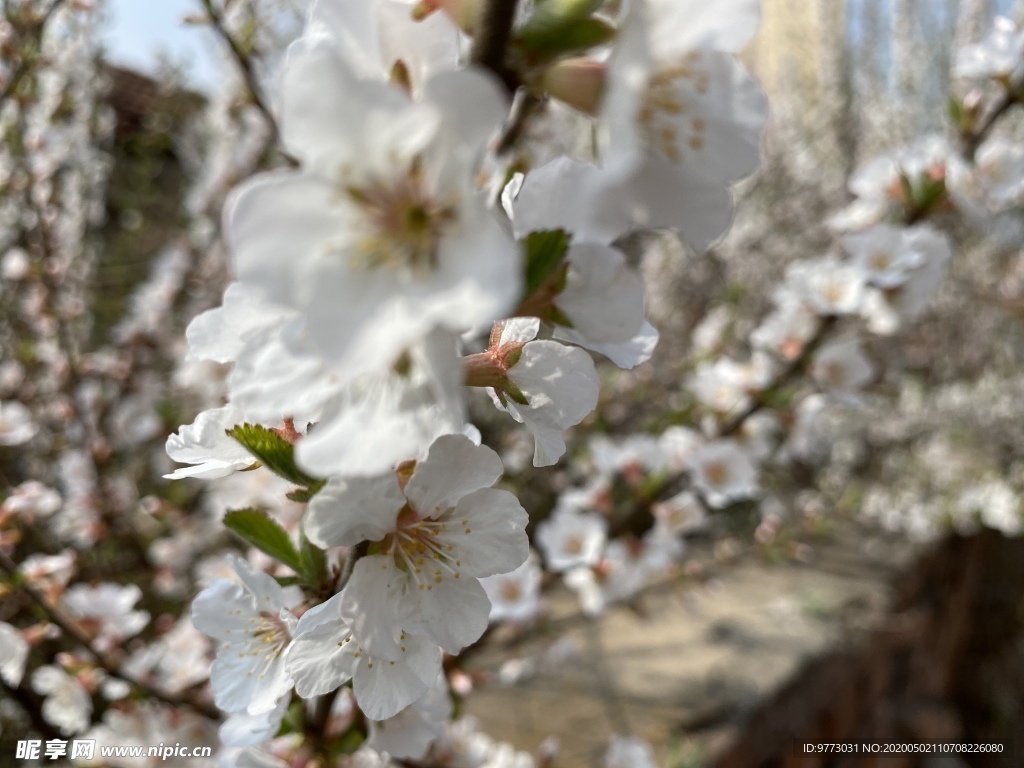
140	31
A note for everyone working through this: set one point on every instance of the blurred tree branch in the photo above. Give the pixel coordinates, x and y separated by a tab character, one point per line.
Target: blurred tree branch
245	66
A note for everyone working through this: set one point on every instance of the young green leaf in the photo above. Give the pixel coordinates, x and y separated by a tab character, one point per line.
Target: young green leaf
266	534
313	562
544	251
546	37
273	451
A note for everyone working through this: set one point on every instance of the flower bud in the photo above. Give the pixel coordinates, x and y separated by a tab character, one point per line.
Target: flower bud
465	13
577	82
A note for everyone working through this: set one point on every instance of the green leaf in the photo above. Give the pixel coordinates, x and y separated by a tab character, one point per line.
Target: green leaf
312	561
266	534
547	36
555	316
512	391
273	451
543	252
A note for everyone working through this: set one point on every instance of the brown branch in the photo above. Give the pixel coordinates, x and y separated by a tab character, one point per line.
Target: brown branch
490	43
524	106
26	62
972	139
105	661
33	709
795	367
245	66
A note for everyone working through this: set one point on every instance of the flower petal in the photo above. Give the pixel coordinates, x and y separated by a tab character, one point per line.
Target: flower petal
454	614
383	688
372	605
346	512
454	467
494	539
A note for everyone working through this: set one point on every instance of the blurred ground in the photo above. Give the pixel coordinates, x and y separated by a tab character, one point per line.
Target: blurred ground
874	638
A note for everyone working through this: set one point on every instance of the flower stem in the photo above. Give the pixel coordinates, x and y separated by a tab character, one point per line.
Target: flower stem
492	38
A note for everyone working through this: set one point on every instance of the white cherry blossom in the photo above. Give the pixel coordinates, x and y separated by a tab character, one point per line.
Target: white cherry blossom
879	186
515	596
625	354
204	445
995	181
14	652
603	298
16	423
32	500
382	235
681	118
222	333
435	533
601	305
106	611
723	472
68	705
616	577
681	514
842	366
177	659
786	330
999	57
558	382
325	654
561	195
886	312
679	445
721	385
570	539
828	286
885	253
252	626
996	505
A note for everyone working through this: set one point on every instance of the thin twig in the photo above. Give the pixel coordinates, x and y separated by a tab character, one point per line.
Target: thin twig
105	661
32	709
973	139
795	367
524	106
26	62
248	72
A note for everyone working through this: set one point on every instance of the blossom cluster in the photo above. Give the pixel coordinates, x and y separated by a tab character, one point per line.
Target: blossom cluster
431	253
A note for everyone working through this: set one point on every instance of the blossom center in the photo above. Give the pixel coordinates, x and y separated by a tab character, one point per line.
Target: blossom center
510	591
879	261
662	108
270	629
403	224
573	545
418	549
717	472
